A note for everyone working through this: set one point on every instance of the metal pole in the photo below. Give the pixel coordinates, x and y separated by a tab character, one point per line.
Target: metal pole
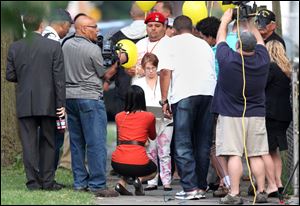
295	90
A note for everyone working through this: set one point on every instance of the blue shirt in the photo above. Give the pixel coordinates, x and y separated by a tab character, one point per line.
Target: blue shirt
228	97
231	40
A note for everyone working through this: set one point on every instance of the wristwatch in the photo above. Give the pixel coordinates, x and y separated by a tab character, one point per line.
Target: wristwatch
162	103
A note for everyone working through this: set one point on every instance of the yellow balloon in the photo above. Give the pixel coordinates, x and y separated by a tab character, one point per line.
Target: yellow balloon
146	5
131	50
225	7
196	10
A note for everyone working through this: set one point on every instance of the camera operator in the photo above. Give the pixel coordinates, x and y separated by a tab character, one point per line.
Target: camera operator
266	25
87	119
228	103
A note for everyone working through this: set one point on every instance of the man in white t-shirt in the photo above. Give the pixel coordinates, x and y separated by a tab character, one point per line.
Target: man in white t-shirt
156	42
193	79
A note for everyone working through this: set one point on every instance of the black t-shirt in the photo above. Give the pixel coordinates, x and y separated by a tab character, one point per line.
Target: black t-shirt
275	36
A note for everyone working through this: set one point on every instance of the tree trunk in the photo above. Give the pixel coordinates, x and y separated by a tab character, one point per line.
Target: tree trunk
10	141
277	11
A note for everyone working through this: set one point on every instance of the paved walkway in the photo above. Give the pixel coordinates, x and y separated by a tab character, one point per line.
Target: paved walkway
160	197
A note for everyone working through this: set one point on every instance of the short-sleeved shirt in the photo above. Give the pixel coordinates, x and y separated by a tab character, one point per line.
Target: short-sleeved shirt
137	126
193	67
228	98
84	69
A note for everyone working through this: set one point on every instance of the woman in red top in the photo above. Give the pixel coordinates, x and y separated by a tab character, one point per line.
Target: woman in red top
134	127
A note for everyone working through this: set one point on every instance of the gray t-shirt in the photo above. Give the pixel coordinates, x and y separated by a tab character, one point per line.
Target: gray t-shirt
84	69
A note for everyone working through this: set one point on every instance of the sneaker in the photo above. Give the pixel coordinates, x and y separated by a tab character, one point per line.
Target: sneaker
231	200
181	193
220	192
193	195
262	197
201	194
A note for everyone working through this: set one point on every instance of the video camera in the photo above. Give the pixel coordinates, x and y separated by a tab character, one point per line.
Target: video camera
109	51
245	11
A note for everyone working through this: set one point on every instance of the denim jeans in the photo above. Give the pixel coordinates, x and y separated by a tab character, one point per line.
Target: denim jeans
193	125
87	123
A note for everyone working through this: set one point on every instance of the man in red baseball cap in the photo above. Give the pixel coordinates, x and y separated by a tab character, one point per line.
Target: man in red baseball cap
156	17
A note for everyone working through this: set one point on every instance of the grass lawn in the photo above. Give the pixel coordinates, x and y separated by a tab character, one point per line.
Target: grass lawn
14	191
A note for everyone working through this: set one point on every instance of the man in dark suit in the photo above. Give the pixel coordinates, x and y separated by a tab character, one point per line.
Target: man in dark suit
36	64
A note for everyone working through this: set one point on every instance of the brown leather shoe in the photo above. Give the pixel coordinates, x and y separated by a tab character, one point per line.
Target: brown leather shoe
105	193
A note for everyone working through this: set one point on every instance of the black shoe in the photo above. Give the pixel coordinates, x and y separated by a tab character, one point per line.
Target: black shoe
168	189
53	187
62	185
139	190
273	194
122	190
280	190
151	187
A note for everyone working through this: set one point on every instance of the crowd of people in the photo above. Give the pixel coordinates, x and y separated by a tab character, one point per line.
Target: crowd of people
188	72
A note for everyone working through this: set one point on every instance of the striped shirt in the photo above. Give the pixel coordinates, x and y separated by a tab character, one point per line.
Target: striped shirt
84	69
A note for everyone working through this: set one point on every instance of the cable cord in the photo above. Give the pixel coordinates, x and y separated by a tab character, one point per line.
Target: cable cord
245	104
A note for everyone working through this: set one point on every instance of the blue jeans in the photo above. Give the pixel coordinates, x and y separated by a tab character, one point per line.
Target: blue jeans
193	124
87	123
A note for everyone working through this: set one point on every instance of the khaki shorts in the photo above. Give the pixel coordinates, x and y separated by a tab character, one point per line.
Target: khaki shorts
229	136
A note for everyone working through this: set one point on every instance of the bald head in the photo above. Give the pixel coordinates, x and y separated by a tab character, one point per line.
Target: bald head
87	27
136	13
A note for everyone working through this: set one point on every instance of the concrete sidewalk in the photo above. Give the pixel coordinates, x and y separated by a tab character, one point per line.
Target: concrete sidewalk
160	197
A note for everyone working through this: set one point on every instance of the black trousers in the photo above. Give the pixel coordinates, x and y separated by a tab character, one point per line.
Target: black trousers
38	150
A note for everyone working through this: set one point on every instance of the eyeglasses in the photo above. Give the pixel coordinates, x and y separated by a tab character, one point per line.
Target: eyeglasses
153	69
93	26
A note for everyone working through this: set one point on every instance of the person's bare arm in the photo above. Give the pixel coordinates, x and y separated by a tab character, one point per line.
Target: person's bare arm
165	78
225	20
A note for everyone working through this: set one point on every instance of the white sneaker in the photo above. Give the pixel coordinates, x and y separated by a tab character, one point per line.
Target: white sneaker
193	195
181	193
201	195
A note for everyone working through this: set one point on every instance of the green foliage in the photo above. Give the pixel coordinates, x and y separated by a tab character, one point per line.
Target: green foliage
13	190
11	12
115	10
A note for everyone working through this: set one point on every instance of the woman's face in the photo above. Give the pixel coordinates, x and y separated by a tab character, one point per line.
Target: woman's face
150	70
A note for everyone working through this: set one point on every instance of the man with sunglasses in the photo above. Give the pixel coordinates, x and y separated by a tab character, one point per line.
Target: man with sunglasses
87	119
266	25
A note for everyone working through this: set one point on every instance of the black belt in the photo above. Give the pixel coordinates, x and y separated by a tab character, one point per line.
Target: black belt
132	142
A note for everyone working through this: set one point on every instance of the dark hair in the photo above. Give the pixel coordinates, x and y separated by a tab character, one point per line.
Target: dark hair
209	26
149	57
135	99
182	23
32	22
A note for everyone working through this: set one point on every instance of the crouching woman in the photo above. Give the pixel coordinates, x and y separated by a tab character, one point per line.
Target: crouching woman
134	126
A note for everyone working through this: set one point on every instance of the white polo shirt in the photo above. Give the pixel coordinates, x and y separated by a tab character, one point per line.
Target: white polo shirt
193	67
